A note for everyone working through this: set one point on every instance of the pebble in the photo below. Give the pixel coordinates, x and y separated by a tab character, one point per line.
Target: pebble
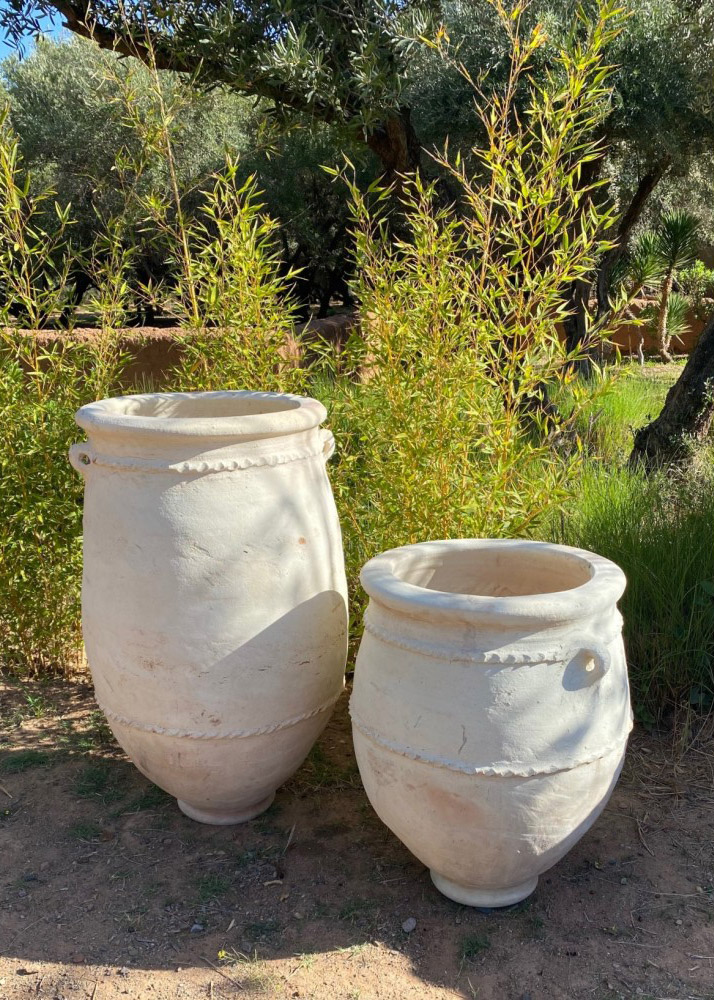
623	881
197	928
409	925
678	923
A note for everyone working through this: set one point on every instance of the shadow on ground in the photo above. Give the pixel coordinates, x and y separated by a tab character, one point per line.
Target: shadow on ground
107	889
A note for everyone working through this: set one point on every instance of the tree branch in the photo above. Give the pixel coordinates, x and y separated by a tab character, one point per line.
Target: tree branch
627	223
79	19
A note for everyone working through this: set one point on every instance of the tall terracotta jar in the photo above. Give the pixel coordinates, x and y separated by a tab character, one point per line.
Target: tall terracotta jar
491	706
214	600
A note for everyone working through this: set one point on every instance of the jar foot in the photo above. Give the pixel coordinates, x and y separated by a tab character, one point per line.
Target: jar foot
224	817
483	898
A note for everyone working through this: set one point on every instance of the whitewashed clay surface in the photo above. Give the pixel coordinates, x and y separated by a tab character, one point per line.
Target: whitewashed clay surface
491	706
214	600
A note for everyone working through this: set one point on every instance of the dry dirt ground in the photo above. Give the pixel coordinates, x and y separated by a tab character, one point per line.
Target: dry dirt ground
109	892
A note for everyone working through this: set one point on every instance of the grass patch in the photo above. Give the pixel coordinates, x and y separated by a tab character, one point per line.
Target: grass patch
265	823
85	831
473	945
319	772
253	975
100	780
152	797
261	929
18	761
626	400
211	886
353	909
94	734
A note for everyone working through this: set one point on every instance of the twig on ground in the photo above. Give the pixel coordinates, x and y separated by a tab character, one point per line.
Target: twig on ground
641	835
220	972
290	838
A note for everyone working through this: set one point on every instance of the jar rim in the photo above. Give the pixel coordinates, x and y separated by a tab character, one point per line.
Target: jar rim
233	414
383	580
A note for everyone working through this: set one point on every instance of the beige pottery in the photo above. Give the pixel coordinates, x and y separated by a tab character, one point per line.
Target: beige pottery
491	706
214	600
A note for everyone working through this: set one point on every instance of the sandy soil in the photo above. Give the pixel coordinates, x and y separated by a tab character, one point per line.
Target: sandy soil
108	891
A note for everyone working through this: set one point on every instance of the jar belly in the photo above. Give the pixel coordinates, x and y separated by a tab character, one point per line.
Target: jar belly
211	591
488	831
228	776
531	716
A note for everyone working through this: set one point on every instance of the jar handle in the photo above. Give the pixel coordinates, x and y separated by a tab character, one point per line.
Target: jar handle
80	457
328	443
596	652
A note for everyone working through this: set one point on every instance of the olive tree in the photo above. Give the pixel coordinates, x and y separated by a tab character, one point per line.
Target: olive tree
339	62
68	107
362	68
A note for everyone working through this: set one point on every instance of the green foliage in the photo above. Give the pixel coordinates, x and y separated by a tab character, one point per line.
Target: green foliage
236	308
40	532
663	61
620	403
657	258
473	945
33	258
697	283
652	526
654	529
677	316
641	268
101	779
676	244
69	102
212	885
22	760
340	60
88	125
447	436
41	385
313	212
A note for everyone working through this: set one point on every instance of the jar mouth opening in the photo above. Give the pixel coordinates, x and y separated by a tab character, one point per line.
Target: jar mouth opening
481	578
239	413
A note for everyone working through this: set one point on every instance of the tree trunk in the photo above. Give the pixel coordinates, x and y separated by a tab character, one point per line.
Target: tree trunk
687	413
627	223
578	293
662	312
576	326
396	145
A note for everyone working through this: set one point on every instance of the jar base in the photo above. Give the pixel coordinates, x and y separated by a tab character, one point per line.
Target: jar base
483	898
221	817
